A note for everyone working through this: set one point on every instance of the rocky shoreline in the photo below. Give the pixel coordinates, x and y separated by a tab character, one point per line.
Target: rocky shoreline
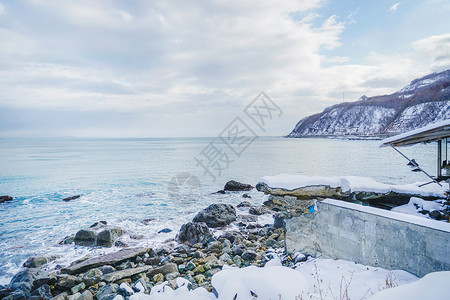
217	236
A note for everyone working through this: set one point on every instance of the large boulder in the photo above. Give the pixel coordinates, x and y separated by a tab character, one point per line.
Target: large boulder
194	232
217	215
26	279
233	185
99	234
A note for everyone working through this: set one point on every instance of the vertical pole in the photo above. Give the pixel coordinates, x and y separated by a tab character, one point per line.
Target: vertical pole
439	158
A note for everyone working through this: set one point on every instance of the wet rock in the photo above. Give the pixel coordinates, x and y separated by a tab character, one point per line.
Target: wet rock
247	218
92	276
165	230
249	255
115	276
25	280
200	278
278	220
86	295
4	292
5	198
78	288
244	204
158	277
107	259
165	269
98	234
259	210
42	293
220	192
233	185
148	221
194	232
136	236
61	296
238	249
65	282
435	214
109	291
35	262
216	215
16	295
72	198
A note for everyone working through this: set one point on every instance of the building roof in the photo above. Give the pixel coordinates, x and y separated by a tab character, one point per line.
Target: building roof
430	133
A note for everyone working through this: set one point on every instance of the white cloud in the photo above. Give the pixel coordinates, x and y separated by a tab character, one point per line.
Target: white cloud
437	49
394	7
177	68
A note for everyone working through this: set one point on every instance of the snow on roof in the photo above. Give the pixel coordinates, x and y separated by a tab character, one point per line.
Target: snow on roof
352	184
429	133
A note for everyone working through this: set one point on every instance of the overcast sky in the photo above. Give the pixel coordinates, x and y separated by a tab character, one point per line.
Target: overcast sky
188	68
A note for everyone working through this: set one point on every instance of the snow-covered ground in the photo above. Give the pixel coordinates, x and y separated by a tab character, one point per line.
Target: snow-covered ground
313	279
353	184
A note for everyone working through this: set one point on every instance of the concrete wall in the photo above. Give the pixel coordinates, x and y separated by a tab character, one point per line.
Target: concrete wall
371	236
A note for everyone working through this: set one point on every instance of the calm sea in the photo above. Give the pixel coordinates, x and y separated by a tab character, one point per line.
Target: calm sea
124	181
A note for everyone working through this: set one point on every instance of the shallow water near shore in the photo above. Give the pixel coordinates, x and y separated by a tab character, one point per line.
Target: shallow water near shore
124	181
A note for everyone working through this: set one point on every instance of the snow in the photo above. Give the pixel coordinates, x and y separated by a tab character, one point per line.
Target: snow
432	286
331	278
443	226
270	282
416	205
351	184
314	279
432	126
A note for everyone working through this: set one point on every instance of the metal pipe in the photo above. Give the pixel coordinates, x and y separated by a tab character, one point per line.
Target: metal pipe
416	165
439	159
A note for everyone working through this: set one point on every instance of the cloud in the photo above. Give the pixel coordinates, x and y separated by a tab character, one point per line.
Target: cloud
172	68
394	7
2	9
436	48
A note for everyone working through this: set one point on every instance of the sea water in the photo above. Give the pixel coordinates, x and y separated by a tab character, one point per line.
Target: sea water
124	181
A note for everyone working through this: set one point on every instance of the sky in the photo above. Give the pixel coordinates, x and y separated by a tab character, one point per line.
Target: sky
140	68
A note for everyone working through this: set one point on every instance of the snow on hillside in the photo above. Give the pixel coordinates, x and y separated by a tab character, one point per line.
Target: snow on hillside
423	101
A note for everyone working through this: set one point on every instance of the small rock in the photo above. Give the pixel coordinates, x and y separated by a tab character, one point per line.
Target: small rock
148	221
278	220
5	198
165	230
74	296
220	192
435	214
136	236
78	288
259	210
194	232
216	215
158	277
43	292
244	204
107	291
246	196
237	261
72	198
233	185
172	276
92	276
249	255
270	242
86	295
165	269
200	278
35	262
190	266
